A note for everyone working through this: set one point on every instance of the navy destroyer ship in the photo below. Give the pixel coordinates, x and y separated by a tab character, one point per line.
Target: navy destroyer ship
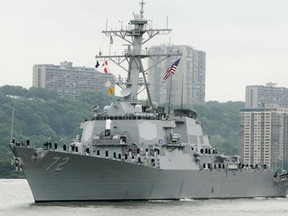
129	151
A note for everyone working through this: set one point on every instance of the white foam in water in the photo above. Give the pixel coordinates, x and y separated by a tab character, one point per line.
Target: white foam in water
186	200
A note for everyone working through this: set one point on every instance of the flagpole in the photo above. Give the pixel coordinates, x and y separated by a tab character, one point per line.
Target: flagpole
182	96
12	124
110	46
170	71
169	101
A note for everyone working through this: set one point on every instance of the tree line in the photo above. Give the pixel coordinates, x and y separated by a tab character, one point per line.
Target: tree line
41	115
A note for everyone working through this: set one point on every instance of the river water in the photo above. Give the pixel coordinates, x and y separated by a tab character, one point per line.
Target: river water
16	199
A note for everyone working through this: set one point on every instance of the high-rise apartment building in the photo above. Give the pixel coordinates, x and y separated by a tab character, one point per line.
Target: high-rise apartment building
264	135
259	95
187	85
66	80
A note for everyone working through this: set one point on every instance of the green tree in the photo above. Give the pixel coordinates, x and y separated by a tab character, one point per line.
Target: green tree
14	90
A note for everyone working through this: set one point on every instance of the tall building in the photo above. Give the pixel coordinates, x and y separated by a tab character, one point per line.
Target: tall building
186	85
264	133
66	80
259	95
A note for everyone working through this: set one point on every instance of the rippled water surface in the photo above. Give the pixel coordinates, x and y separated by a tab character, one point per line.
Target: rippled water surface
16	199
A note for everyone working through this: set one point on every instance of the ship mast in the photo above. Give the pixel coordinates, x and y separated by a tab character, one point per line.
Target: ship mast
133	34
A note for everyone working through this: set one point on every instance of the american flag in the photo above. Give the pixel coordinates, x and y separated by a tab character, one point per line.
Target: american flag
170	70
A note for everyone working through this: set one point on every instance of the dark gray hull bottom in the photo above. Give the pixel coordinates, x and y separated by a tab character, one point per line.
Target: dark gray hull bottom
60	176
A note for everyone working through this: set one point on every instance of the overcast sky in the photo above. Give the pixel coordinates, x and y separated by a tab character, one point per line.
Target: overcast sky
246	41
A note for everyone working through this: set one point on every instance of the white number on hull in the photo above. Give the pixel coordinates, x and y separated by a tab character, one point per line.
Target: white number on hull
58	163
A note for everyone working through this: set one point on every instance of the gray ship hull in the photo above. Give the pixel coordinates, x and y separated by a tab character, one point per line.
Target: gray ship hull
60	176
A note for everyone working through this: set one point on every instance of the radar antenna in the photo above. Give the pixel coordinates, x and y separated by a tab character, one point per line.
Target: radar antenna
142	9
134	54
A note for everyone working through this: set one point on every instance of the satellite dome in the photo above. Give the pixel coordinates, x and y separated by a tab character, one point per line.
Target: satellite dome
138	108
106	109
154	105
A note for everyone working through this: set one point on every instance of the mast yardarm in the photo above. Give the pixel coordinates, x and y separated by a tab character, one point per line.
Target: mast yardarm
134	54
